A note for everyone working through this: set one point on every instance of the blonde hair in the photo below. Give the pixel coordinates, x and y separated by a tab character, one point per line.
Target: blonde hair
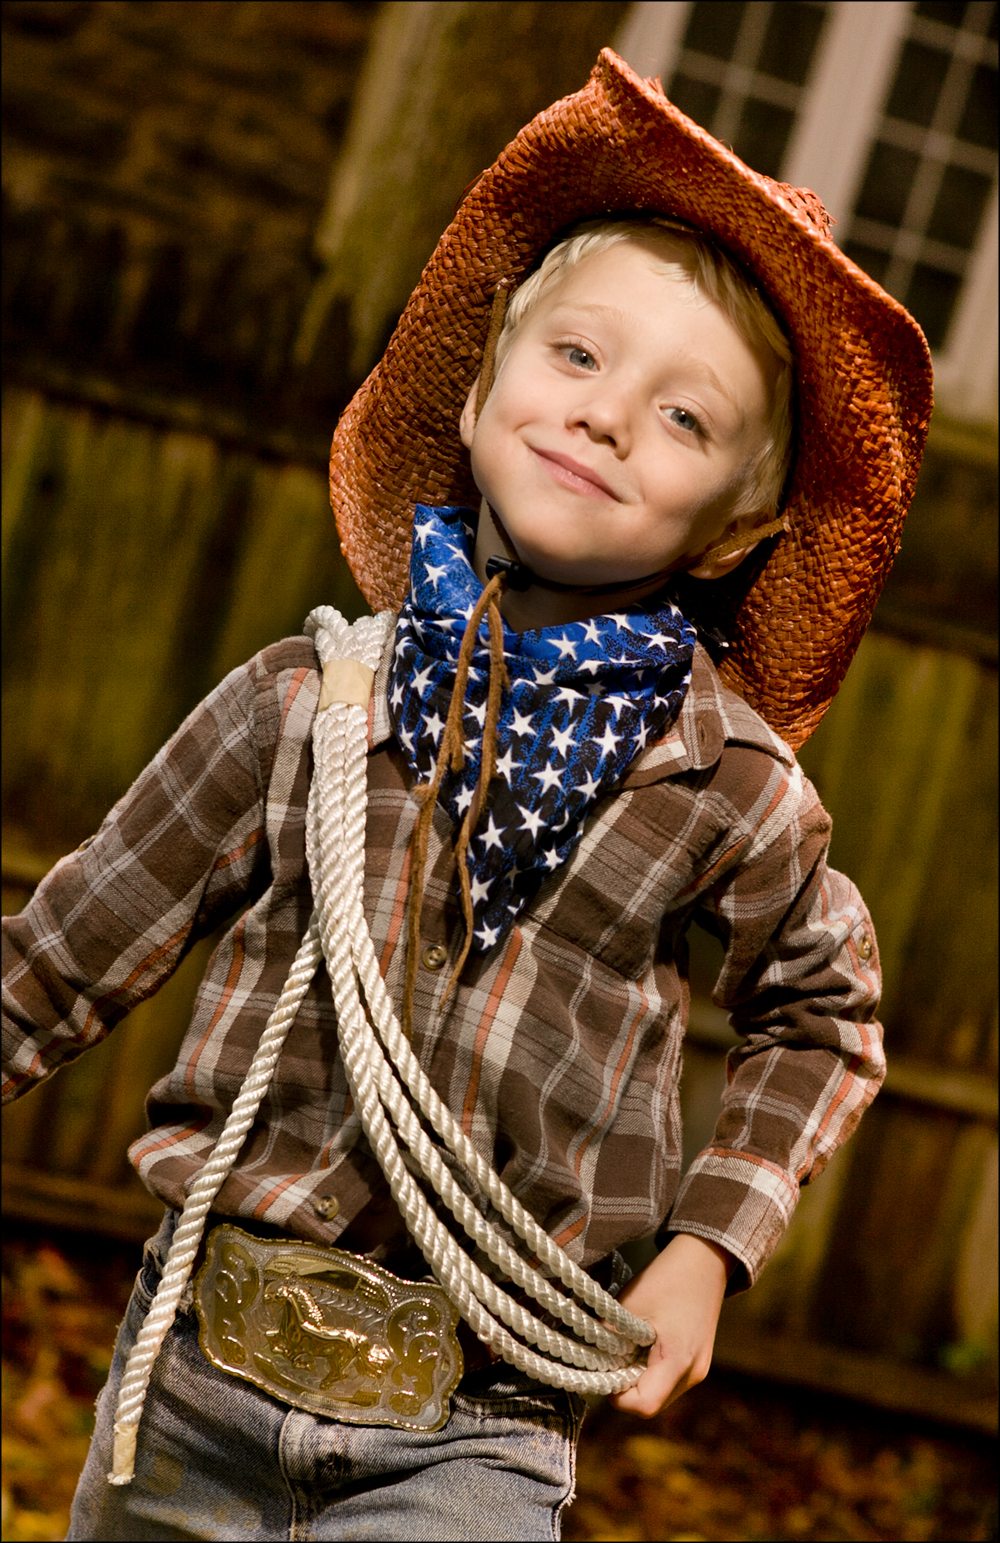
692	259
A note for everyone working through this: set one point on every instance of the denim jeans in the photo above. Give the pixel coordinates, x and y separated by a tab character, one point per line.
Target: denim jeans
218	1458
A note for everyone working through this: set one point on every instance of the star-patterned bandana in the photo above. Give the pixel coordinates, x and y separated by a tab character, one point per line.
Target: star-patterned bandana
584	700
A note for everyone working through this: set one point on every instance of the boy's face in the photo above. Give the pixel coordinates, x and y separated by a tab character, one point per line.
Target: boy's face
621	425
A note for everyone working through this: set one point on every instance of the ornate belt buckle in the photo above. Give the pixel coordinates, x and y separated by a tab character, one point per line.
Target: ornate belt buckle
328	1331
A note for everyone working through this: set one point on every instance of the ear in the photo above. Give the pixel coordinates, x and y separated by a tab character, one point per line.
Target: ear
467	417
728	552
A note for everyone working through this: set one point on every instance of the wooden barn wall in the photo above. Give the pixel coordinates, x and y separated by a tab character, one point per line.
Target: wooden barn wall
187	307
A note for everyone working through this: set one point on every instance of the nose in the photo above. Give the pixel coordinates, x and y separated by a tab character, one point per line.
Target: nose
602	411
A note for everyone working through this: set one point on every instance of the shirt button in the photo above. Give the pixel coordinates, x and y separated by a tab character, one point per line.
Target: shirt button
865	947
435	957
326	1206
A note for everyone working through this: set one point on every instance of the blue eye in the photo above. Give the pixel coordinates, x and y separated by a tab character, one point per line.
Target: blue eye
580	358
684	420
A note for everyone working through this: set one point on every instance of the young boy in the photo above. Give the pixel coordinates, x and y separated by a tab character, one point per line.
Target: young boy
459	857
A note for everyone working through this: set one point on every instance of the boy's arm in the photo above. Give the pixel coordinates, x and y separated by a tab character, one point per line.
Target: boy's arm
111	921
801	981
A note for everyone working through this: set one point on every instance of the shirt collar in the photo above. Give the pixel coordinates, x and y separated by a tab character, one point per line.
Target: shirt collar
696	739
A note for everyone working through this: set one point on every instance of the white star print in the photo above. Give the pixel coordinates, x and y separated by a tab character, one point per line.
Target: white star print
505	765
617	703
532	820
588	788
561	741
545	677
607	743
478	890
591	633
492	835
421	679
463	798
552	859
521	724
549	777
489	935
566	647
434	727
422	532
479	713
569	696
435	574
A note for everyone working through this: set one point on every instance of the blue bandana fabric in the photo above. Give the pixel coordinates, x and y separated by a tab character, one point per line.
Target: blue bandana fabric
584	699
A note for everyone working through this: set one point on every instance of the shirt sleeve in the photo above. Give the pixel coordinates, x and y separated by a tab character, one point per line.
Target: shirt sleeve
801	982
180	851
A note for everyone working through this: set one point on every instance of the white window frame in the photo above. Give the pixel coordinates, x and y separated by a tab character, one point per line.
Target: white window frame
850	80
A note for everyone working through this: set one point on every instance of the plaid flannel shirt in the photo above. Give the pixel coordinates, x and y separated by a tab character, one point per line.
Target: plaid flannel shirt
560	1052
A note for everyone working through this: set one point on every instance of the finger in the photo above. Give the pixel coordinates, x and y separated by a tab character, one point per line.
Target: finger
658	1386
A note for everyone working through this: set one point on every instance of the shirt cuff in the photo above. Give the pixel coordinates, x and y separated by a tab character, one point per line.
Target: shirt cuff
739	1201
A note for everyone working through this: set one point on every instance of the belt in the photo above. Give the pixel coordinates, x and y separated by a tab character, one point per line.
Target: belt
330	1331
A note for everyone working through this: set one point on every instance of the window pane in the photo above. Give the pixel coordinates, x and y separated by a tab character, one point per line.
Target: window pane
869	258
712	28
950	15
790	41
918	81
959	206
931	296
695	97
886	187
762	136
979	119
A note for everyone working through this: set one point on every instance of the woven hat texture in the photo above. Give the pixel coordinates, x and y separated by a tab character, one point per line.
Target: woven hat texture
863	375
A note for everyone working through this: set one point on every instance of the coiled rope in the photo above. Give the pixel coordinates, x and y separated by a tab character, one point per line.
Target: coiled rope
388	1087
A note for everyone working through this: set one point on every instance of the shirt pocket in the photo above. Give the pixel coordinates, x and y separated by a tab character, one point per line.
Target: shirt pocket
634	877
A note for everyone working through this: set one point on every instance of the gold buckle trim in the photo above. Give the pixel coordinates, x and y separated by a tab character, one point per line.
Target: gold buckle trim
328	1331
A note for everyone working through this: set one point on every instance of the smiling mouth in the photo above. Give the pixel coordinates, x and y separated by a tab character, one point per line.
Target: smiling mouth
571	474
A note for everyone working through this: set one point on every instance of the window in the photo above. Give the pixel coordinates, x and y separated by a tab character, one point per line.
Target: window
889	112
931	169
740	72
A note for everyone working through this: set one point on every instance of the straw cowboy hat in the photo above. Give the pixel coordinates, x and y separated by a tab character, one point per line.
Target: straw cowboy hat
863	375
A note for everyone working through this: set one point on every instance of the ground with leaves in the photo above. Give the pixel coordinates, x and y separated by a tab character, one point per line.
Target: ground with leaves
731	1461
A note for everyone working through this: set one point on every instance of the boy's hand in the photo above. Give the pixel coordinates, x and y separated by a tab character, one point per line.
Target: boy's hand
680	1294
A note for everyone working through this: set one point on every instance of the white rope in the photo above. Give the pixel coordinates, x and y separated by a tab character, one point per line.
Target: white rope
340	642
380	1085
384	1083
191	1222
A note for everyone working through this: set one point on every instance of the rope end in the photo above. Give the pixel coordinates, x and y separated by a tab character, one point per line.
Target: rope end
123	1456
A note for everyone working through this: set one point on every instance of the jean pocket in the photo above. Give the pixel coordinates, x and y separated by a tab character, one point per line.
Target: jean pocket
505	1392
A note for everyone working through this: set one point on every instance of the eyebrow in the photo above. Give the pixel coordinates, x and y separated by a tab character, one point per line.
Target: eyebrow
697	366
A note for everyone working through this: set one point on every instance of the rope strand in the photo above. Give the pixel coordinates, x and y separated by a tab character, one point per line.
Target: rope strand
451	758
